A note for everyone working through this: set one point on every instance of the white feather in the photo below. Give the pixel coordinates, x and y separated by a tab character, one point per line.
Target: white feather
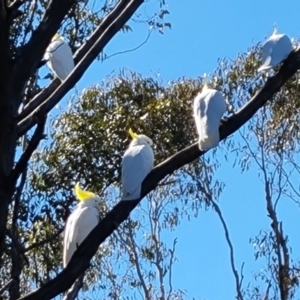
209	107
59	58
79	224
275	50
137	163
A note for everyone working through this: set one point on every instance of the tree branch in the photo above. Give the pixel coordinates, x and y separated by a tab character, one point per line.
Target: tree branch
17	252
172	253
99	34
80	259
280	245
74	290
32	145
7	285
45	241
235	273
31	54
136	261
13	10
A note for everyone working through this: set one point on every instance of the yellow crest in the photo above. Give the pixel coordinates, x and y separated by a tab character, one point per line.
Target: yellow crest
132	134
82	195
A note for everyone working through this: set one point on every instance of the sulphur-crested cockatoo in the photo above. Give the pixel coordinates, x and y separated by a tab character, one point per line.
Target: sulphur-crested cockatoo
276	49
209	107
81	222
137	163
59	57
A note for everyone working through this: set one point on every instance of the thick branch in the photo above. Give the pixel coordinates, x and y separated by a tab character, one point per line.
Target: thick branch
33	51
80	259
101	35
74	290
32	145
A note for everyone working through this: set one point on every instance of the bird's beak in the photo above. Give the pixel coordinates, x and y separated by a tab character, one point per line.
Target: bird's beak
132	134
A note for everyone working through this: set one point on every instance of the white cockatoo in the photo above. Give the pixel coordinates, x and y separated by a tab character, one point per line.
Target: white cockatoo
209	107
137	163
276	49
59	57
81	222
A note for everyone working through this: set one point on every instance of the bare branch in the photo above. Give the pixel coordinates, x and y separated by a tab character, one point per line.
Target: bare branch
172	252
281	246
267	291
136	261
158	256
7	285
32	145
45	241
80	259
235	273
101	35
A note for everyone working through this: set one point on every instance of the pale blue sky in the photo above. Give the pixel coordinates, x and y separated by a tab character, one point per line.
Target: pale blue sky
203	31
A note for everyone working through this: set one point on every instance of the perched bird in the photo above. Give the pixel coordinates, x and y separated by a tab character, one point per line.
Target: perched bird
209	107
81	222
59	57
276	49
137	163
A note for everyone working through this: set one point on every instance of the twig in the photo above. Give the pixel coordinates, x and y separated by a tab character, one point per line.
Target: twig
236	275
172	252
281	247
132	249
130	50
45	241
137	262
7	285
266	297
